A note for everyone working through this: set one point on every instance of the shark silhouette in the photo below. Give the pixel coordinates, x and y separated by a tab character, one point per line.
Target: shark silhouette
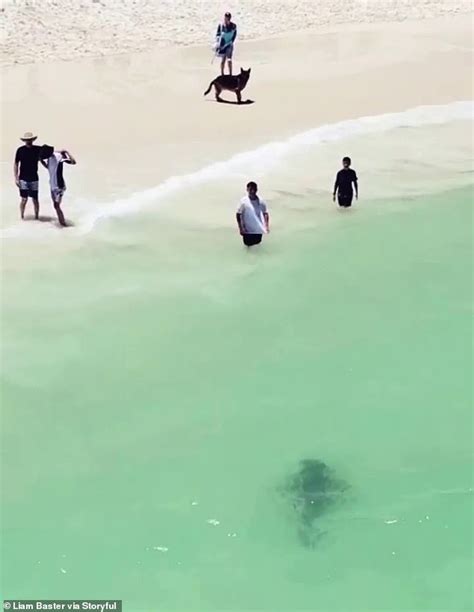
312	490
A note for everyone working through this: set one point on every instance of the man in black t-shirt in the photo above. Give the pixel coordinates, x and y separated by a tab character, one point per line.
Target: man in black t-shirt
343	184
25	170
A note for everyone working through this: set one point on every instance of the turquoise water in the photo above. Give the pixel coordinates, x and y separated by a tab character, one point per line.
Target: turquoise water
161	385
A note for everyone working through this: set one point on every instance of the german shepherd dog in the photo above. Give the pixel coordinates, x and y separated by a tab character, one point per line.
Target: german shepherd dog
231	83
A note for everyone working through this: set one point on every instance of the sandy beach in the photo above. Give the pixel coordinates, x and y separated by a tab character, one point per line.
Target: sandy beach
154	104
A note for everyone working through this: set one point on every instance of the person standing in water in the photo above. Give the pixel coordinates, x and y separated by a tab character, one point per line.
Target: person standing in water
343	185
252	217
25	172
53	161
225	38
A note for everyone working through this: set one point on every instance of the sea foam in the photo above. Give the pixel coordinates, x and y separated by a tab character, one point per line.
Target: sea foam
264	158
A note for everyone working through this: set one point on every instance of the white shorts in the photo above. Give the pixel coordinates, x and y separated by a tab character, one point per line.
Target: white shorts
57	194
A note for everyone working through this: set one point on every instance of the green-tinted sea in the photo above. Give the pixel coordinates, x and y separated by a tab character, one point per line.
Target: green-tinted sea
190	426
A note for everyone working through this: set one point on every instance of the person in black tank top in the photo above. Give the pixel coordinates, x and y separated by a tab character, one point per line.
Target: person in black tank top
345	178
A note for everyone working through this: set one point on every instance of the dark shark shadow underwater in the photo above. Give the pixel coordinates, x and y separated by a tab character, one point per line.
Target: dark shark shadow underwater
312	491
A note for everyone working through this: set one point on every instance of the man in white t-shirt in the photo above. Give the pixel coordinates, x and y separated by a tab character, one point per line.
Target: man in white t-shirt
53	161
252	217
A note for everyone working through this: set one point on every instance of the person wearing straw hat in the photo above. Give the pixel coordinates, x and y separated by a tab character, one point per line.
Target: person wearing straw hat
25	171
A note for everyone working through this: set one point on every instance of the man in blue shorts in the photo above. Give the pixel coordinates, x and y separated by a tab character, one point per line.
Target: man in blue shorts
225	38
25	172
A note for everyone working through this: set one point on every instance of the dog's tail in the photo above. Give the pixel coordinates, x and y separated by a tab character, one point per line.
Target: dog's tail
210	87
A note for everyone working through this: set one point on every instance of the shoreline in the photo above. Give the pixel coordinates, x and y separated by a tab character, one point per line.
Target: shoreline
322	144
133	124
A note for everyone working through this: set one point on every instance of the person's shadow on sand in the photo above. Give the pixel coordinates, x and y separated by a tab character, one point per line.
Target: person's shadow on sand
41	218
48	219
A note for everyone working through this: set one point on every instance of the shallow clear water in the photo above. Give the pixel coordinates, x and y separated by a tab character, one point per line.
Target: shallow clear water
158	377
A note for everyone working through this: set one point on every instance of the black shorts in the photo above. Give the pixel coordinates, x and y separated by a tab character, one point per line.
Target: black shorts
345	199
251	239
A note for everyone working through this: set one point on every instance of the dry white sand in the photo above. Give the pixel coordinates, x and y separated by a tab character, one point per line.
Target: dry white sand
34	30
